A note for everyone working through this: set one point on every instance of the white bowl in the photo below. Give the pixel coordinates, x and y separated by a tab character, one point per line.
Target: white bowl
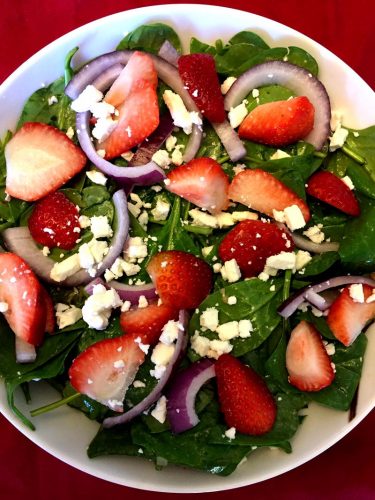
66	433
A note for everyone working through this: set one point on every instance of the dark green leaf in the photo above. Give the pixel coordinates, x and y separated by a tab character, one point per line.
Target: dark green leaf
150	38
250	38
319	264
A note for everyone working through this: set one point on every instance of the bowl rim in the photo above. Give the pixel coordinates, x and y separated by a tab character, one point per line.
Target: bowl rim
149	11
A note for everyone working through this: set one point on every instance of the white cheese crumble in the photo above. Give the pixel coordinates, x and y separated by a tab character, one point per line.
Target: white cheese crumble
98	307
315	234
230	271
302	258
161	210
160	410
180	115
89	96
170	143
169	333
356	293
237	115
232	300
52	100
294	218
230	433
279	154
226	85
210	348
97	177
70	133
103	128
65	268
338	138
209	319
3	307
347	180
283	260
161	158
67	315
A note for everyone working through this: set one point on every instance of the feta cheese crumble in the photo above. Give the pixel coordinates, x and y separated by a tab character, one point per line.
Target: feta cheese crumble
97	177
237	115
181	116
98	307
67	315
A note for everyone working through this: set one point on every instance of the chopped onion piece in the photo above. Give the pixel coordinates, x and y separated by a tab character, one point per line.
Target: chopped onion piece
230	140
169	53
310	246
25	352
125	292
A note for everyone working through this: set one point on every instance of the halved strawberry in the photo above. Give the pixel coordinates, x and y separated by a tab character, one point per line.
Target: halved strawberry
54	222
261	191
39	160
198	72
22	292
148	321
307	361
139	67
347	318
105	370
203	182
50	326
251	241
138	118
332	190
244	397
279	123
181	279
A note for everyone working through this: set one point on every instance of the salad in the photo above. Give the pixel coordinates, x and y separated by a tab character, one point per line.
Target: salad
187	248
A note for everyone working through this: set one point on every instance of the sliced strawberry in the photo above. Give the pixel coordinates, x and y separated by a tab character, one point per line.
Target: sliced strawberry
279	123
261	191
138	118
22	292
54	222
39	160
307	361
139	67
332	190
347	318
251	241
198	72
50	326
105	370
203	182
181	279
147	320
244	397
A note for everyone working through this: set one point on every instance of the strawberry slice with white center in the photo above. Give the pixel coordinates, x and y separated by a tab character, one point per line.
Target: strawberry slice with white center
203	182
138	118
148	320
40	159
106	369
139	67
23	294
261	191
307	361
347	318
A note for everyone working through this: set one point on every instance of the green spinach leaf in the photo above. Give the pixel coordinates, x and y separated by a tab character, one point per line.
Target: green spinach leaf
150	37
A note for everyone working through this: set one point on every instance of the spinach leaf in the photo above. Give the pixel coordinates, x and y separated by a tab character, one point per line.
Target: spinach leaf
248	37
198	47
348	364
333	222
364	145
255	301
268	93
37	109
211	145
49	362
115	441
286	425
319	264
150	37
357	246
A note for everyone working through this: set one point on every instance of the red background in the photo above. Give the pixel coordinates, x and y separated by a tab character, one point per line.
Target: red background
344	472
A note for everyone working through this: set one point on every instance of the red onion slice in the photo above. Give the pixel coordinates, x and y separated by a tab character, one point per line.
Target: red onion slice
154	395
125	292
88	75
169	53
297	79
105	79
154	142
25	352
230	140
310	246
288	307
182	394
317	300
20	241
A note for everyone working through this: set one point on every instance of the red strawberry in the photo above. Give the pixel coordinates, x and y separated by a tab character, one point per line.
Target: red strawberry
139	67
54	222
138	118
203	182
198	72
50	326
244	397
332	190
105	370
347	318
251	241
261	191
279	123
22	292
307	361
147	321
39	160
181	279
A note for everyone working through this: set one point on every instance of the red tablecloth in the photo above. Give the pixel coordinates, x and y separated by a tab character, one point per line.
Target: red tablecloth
346	471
